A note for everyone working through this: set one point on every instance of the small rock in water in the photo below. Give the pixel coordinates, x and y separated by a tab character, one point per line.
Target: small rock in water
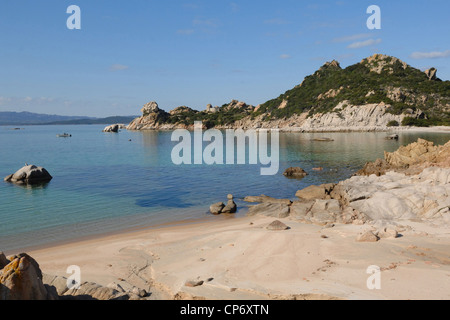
231	207
230	197
277	226
295	172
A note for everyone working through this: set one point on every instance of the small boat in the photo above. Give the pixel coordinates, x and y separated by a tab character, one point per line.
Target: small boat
64	135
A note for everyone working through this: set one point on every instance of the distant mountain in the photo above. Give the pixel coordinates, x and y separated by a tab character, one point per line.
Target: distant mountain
29	118
25	118
107	120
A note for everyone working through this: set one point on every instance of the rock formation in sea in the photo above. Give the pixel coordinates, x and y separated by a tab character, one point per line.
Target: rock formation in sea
295	172
112	128
30	174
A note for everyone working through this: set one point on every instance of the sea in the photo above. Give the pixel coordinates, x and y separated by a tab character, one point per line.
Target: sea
112	182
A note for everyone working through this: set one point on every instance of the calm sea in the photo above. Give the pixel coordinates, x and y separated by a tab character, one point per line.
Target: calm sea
104	182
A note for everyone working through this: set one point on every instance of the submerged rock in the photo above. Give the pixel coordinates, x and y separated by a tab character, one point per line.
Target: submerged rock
29	174
295	172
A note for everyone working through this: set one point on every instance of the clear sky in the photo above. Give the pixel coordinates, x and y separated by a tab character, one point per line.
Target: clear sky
196	52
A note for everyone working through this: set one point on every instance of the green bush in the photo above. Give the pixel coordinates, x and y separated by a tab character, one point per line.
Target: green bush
393	123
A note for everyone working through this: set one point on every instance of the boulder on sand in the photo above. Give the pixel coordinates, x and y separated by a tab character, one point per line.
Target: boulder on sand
277	225
29	174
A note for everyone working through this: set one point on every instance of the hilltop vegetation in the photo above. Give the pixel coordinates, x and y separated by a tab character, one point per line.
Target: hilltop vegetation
380	79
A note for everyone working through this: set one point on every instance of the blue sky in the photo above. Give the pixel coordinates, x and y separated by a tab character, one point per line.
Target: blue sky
193	53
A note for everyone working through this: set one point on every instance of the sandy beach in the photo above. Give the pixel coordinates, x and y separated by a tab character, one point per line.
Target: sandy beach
240	259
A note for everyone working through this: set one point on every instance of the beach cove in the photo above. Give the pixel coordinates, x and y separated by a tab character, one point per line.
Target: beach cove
236	257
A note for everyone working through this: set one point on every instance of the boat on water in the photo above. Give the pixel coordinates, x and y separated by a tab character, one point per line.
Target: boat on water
64	135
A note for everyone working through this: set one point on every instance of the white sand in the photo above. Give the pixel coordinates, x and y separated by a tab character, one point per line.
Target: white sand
246	261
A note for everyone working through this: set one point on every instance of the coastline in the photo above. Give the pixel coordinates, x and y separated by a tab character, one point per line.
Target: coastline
239	258
436	129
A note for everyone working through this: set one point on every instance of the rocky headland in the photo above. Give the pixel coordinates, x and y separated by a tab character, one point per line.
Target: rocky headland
379	93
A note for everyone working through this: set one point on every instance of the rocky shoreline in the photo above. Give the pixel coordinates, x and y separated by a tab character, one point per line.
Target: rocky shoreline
344	118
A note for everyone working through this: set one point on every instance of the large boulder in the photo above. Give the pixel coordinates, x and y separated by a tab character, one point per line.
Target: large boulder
415	153
30	174
21	279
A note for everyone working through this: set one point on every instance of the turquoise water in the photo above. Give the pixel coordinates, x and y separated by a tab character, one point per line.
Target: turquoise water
103	182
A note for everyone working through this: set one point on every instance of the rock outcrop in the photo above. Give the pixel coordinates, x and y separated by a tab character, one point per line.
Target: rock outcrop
412	183
431	74
112	128
152	118
29	174
21	279
369	117
410	159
